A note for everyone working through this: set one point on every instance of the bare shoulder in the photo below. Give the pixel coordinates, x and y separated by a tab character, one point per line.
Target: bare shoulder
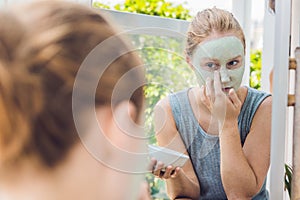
267	103
163	103
264	109
162	109
164	124
258	141
263	115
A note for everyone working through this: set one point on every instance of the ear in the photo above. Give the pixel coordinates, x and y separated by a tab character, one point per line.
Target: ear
122	148
118	125
189	61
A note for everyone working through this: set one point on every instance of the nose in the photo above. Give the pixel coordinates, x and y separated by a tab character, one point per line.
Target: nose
224	75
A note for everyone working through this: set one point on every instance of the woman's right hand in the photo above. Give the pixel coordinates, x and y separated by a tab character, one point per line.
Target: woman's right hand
223	107
159	169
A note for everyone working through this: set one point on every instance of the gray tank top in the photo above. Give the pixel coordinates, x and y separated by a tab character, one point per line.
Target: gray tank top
204	149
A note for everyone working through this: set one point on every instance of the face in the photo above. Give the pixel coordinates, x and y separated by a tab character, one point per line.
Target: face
225	54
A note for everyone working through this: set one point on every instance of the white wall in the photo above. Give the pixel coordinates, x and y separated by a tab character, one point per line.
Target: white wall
280	91
295	31
268	48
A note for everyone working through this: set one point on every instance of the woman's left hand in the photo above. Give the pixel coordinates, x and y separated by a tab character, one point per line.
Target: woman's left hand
222	107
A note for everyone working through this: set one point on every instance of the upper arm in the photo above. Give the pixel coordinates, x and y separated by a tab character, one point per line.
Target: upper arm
167	134
257	145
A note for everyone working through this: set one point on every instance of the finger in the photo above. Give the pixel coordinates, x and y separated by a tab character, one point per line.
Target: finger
234	98
158	169
152	164
168	172
203	97
217	82
175	172
210	93
204	90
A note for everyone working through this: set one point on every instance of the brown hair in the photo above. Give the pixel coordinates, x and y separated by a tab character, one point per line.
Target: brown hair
38	66
272	5
210	21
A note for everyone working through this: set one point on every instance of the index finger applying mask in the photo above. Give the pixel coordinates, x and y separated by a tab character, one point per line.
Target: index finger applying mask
217	82
225	54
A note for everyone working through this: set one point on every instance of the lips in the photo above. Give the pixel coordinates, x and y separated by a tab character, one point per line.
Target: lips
226	89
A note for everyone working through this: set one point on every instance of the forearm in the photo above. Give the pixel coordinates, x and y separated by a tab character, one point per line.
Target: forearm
238	178
182	187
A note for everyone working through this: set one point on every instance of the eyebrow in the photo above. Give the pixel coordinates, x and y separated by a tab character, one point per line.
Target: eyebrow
237	57
209	59
216	59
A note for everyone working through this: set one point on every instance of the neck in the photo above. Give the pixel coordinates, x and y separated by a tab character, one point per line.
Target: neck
80	177
70	180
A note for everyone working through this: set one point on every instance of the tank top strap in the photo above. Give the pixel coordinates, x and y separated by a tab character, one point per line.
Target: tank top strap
183	115
251	104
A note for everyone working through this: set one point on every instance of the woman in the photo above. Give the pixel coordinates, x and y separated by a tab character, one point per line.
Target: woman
222	127
54	142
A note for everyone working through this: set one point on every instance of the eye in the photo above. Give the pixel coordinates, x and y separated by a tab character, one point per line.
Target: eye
210	65
233	63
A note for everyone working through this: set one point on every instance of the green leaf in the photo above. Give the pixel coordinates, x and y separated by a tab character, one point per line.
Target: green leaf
255	69
155	7
100	5
288	178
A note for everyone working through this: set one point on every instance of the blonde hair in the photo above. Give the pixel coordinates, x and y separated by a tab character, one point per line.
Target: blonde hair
39	61
210	21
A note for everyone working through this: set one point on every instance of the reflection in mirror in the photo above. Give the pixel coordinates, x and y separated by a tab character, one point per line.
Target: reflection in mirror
218	122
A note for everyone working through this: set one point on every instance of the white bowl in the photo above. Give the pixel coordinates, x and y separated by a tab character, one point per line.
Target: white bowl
167	156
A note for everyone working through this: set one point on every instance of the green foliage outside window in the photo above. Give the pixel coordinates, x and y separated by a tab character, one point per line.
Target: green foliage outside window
255	69
166	71
160	8
155	7
100	5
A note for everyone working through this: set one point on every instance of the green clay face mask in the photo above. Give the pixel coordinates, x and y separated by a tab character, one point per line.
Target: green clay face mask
224	54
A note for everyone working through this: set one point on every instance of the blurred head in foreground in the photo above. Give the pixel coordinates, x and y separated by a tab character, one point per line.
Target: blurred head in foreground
70	105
